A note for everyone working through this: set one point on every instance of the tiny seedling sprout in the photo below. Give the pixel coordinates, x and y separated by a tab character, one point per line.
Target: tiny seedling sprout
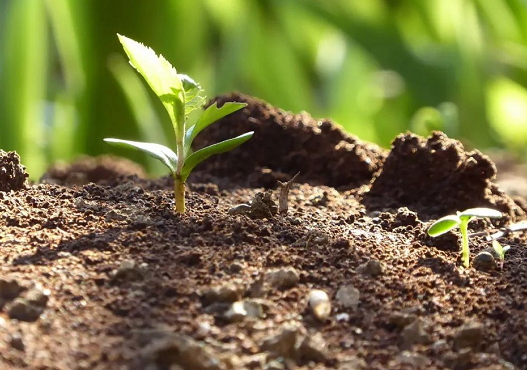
461	220
180	95
500	251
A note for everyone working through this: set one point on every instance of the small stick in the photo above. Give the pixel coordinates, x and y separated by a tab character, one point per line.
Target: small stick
504	231
284	191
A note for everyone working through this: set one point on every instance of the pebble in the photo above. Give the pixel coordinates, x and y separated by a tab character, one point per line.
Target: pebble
352	363
401	319
319	304
17	343
469	336
414	333
23	310
348	296
227	293
372	268
293	342
128	270
484	261
416	360
38	296
242	310
10	289
284	278
178	351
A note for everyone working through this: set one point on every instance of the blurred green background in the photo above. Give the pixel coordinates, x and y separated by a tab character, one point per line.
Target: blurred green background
377	67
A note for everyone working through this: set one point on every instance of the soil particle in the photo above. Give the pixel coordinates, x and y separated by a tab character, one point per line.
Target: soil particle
13	175
436	177
284	278
23	310
348	297
414	333
320	150
371	268
469	336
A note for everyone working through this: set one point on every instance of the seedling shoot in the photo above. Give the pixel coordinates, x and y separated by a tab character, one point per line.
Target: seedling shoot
500	251
180	95
461	220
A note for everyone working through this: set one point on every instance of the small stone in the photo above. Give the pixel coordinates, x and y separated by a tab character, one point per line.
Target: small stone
401	319
313	348
10	289
22	310
352	363
128	270
177	351
484	261
113	215
227	293
241	310
414	333
284	278
416	360
236	267
38	297
372	268
319	304
348	296
342	316
460	359
283	344
17	343
469	336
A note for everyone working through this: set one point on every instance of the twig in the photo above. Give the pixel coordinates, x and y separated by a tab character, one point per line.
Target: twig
284	192
502	232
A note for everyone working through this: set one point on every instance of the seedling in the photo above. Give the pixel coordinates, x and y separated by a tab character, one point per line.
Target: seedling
461	220
500	251
180	95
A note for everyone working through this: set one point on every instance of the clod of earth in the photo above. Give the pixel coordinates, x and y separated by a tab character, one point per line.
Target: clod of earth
13	175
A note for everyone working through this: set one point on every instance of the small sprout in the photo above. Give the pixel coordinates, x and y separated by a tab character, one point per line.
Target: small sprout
500	251
181	96
461	220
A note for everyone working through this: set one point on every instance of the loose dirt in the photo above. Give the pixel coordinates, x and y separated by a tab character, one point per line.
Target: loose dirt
97	271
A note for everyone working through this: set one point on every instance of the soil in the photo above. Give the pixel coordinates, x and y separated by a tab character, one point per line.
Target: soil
105	275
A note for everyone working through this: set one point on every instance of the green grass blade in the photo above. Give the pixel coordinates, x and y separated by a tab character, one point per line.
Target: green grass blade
444	225
481	212
209	116
224	146
161	152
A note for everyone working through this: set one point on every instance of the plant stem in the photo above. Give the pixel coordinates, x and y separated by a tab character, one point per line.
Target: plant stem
179	194
463	226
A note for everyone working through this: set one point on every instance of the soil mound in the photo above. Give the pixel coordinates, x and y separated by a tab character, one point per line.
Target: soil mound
436	176
103	169
13	175
286	143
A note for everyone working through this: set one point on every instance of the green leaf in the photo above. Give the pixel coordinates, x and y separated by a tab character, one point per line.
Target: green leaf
162	78
500	249
209	116
480	212
224	146
194	98
158	151
444	225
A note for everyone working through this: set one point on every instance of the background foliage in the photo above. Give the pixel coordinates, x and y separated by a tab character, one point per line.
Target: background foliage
377	67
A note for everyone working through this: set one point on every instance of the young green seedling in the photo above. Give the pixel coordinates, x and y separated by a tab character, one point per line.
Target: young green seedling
180	95
461	220
500	251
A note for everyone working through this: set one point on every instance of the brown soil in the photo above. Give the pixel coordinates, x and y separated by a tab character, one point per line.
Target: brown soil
106	275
